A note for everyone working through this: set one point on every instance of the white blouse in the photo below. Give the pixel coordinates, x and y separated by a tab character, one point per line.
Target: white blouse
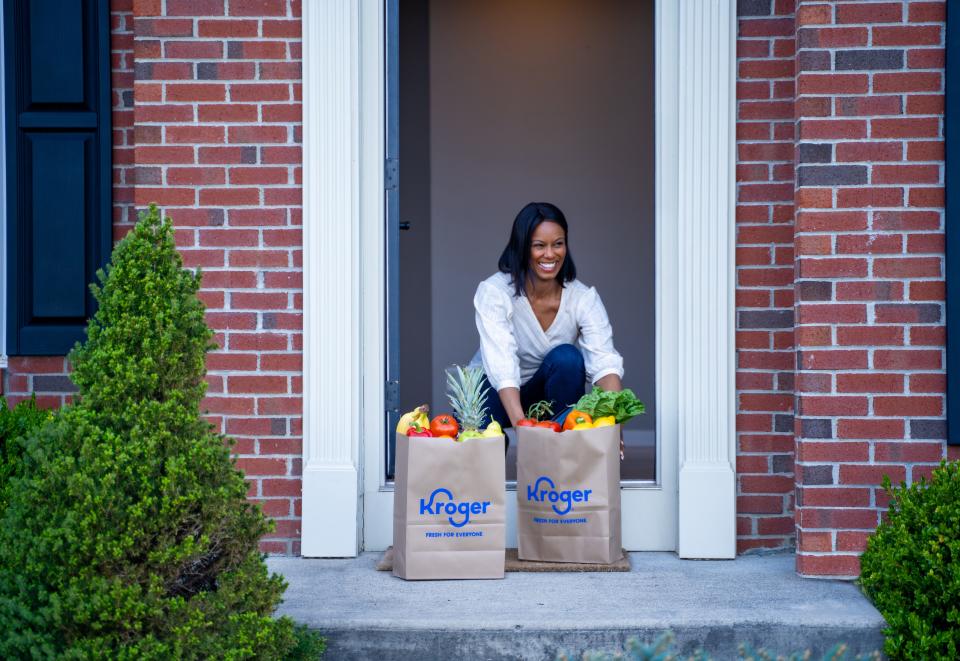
513	344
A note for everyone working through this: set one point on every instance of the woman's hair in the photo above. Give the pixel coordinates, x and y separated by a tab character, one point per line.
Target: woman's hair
515	259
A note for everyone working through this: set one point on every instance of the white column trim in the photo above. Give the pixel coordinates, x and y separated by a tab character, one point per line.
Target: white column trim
331	351
706	273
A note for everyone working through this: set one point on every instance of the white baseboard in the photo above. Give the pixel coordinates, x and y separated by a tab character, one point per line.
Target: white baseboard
330	500
708	512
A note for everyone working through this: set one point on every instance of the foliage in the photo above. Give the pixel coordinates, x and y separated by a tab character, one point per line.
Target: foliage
622	405
128	533
911	568
662	649
15	423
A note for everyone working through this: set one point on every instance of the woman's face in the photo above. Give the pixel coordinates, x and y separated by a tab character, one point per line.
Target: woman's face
548	248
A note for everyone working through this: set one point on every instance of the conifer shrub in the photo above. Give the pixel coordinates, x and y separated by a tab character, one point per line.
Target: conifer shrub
911	568
128	533
16	423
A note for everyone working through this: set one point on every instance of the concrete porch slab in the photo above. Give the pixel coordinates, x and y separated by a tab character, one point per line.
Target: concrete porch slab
715	605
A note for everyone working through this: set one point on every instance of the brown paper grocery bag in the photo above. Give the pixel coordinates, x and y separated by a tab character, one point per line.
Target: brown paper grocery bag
568	495
449	510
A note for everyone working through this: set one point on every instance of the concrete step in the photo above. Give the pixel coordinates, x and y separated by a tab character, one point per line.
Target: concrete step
714	605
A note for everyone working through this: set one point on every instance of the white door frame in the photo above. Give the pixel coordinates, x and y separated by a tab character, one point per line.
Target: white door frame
344	297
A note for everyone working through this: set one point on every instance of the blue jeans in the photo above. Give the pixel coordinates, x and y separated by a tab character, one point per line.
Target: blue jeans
559	379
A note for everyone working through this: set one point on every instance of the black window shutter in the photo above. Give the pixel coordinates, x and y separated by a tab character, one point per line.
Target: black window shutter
951	131
58	141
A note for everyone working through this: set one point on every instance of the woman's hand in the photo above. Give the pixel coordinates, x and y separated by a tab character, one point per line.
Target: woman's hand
510	397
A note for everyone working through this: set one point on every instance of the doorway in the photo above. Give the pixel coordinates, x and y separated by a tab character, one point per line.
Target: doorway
500	103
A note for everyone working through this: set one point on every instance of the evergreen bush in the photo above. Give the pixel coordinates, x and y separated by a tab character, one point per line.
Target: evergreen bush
911	568
16	423
128	533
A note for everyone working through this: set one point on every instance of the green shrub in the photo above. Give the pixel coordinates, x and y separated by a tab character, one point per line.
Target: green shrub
128	533
15	423
911	568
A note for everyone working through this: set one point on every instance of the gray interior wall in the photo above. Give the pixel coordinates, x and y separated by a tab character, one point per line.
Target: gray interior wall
541	100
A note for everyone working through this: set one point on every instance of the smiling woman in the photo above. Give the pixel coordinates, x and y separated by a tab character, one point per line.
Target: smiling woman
543	333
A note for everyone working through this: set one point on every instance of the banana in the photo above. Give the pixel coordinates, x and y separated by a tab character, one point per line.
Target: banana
419	415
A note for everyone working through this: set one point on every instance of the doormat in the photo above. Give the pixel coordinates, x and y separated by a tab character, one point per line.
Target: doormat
513	563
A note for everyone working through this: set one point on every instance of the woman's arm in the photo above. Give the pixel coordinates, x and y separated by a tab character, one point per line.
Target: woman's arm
610	382
510	397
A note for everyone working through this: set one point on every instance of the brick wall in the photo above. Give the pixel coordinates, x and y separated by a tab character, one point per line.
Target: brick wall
839	259
765	221
217	120
869	266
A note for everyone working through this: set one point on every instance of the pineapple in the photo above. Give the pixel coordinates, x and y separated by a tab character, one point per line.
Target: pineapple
467	396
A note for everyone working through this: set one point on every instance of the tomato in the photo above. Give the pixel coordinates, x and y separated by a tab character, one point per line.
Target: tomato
444	425
549	424
576	418
527	422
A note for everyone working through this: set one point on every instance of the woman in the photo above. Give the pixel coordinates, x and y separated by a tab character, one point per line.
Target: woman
543	333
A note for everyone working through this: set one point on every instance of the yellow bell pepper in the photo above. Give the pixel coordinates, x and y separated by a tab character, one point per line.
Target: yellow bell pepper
606	421
582	425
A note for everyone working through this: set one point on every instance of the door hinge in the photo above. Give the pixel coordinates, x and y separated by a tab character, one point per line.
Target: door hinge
391	395
391	174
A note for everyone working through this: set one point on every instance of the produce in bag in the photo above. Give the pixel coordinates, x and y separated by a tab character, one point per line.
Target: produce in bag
449	513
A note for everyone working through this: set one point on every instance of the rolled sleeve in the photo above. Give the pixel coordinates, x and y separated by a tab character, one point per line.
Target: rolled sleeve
596	339
498	346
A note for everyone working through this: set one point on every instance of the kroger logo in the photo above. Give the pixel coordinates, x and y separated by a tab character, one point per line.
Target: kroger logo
545	491
451	507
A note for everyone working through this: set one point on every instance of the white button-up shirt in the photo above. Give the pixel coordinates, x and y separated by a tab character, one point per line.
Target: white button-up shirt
513	344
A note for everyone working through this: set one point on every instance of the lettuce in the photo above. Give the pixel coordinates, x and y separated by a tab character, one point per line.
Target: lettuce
622	405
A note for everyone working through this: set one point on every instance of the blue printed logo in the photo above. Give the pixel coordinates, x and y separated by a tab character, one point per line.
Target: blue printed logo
451	507
545	491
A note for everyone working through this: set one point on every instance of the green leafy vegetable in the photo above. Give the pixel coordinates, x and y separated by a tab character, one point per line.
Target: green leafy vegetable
622	405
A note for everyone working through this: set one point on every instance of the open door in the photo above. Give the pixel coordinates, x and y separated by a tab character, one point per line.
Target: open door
495	104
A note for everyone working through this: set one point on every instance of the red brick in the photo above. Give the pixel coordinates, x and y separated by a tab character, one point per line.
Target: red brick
906	359
814	541
869	151
276	487
928	383
258	175
870	290
907	35
869	244
164	155
198	175
814	496
869	197
258	301
833	405
870	336
257	342
279	405
244	362
872	474
831	313
258	8
229	405
913	81
890	12
260	50
810	267
193	50
196	92
849	540
165	196
847	517
234	28
261	258
908	452
828	565
831	221
843	129
766	484
259	92
925	104
925	151
832	451
926	197
907	267
935	336
910	406
833	359
229	196
281	29
906	220
256	134
905	127
927	291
